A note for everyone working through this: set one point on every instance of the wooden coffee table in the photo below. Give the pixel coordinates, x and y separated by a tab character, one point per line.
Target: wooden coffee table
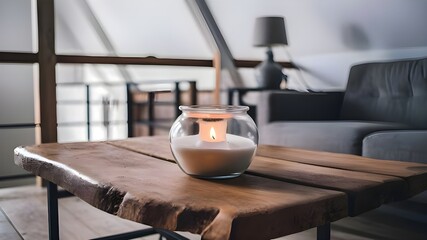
284	191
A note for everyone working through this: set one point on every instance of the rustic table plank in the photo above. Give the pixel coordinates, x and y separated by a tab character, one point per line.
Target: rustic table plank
366	191
414	174
156	192
150	146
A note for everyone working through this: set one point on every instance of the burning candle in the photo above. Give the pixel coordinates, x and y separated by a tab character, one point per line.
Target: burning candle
212	133
212	130
212	152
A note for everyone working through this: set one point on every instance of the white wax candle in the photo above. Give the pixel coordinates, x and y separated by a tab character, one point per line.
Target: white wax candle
210	159
232	142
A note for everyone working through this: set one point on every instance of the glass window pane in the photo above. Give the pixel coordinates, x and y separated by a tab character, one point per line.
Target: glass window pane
115	131
72	133
10	139
70	92
103	73
98	132
118	131
71	113
16	93
117	111
15	26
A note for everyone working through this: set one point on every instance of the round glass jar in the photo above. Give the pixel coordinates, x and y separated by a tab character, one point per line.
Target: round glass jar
215	141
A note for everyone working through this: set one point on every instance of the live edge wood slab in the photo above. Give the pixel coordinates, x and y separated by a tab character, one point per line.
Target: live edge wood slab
156	192
280	194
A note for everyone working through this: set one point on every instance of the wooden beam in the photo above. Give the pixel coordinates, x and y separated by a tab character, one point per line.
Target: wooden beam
18	57
134	60
252	64
47	61
207	22
77	59
217	90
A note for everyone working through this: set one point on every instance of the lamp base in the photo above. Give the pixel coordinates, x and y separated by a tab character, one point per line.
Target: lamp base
268	73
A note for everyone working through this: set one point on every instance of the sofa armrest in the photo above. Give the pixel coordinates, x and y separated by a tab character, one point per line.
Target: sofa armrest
402	145
298	106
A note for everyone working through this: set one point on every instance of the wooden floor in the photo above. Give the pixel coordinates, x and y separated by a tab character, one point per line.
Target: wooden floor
27	210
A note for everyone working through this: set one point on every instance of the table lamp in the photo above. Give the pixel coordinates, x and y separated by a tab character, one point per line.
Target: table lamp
269	31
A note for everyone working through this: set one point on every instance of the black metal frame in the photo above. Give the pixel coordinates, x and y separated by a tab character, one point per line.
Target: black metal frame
129	235
151	121
19	125
323	231
52	210
52	207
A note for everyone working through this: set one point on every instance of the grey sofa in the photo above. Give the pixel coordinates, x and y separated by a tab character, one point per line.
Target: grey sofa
382	114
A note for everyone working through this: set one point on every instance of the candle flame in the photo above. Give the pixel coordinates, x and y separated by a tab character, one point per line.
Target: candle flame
212	132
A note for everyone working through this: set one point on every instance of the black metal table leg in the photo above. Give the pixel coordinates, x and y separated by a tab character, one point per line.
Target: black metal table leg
52	209
129	235
324	232
170	235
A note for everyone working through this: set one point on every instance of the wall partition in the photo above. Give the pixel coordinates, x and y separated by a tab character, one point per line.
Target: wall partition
17	114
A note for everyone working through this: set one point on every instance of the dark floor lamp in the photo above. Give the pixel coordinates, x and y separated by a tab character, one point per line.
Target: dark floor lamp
269	31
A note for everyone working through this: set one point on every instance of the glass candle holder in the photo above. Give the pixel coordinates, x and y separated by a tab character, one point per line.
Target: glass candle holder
213	142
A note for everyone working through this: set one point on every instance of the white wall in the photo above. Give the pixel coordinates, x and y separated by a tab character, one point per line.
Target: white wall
327	37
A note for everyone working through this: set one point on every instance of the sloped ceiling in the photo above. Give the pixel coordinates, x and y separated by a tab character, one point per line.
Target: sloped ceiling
163	28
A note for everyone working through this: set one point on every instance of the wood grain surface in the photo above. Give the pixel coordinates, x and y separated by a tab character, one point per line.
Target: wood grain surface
365	190
148	190
414	174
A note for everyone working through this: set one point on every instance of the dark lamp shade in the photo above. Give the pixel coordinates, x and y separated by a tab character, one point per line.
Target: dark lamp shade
270	31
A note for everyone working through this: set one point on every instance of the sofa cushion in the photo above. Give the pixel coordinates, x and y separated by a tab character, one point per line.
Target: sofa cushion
402	145
330	136
388	92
